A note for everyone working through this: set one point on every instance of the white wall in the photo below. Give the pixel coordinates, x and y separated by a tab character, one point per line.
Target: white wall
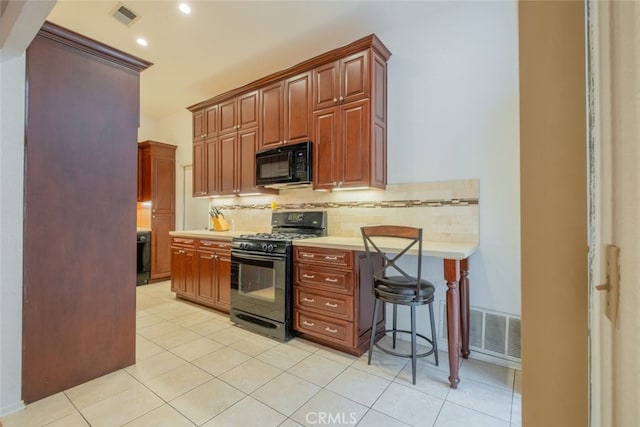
19	24
453	114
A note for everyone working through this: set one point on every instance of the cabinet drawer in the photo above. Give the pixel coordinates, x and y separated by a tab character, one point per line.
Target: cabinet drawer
334	330
319	277
332	257
182	241
218	246
324	303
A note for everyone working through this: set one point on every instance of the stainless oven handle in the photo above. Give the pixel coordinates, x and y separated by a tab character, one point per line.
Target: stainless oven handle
244	255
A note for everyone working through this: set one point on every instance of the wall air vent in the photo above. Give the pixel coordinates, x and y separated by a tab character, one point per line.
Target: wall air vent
493	333
124	14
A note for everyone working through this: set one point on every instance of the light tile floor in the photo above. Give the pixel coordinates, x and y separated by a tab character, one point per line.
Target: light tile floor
193	367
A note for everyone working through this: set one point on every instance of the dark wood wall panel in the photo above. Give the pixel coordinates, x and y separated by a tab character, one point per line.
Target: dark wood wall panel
80	218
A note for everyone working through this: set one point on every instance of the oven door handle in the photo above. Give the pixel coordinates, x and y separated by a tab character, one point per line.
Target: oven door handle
244	255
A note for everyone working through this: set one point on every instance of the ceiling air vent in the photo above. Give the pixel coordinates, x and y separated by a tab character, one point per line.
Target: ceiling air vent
125	15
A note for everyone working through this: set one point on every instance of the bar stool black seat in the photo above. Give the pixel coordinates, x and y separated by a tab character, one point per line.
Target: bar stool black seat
393	285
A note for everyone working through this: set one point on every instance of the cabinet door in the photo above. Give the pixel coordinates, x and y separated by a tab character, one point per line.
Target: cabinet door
198	125
211	121
163	181
223	291
207	277
144	180
191	271
178	273
161	224
326	85
227	164
297	108
355	150
354	77
325	137
183	269
248	110
140	173
228	116
247	142
212	151
199	169
271	108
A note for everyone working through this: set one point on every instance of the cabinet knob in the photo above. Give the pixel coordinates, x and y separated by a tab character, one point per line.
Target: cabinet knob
285	141
341	99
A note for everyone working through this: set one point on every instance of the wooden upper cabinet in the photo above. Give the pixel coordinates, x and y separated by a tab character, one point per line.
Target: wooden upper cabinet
350	135
158	175
211	121
297	108
342	153
341	81
337	100
205	123
199	125
239	113
286	111
199	172
271	110
228	164
228	116
212	168
246	174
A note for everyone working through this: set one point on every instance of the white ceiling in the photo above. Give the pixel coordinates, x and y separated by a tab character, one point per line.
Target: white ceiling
222	44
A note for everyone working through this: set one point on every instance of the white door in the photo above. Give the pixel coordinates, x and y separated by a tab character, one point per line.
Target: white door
614	209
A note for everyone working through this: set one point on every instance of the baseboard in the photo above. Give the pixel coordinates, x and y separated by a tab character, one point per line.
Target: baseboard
10	409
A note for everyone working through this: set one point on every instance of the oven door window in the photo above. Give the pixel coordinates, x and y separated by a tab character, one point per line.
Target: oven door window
258	285
274	167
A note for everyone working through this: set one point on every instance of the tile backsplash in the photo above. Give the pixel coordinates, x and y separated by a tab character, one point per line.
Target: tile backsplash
446	210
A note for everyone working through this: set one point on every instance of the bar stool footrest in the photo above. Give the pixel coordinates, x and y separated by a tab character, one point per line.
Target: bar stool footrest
395	353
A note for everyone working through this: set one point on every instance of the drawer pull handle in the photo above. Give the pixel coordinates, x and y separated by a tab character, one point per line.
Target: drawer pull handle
306	255
309	276
328	304
331	257
328	329
305	299
329	279
207	243
305	323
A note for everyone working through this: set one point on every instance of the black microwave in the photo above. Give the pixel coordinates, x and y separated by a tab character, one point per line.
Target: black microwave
284	166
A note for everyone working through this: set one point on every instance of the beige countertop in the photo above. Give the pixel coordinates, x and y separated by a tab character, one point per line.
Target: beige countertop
429	248
210	234
434	249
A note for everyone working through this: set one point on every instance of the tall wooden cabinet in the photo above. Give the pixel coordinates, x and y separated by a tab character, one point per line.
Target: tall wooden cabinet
158	181
82	116
350	121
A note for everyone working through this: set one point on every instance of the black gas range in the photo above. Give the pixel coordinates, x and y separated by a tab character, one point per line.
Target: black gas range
262	272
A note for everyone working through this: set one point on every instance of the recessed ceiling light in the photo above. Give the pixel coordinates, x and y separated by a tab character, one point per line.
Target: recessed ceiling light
184	8
141	41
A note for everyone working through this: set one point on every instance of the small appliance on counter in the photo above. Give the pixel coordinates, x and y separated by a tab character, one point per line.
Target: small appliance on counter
143	256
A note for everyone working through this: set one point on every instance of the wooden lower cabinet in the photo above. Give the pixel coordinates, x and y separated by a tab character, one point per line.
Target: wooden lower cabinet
183	267
333	298
214	274
201	271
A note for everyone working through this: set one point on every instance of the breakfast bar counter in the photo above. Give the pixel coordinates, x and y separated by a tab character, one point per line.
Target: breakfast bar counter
455	258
